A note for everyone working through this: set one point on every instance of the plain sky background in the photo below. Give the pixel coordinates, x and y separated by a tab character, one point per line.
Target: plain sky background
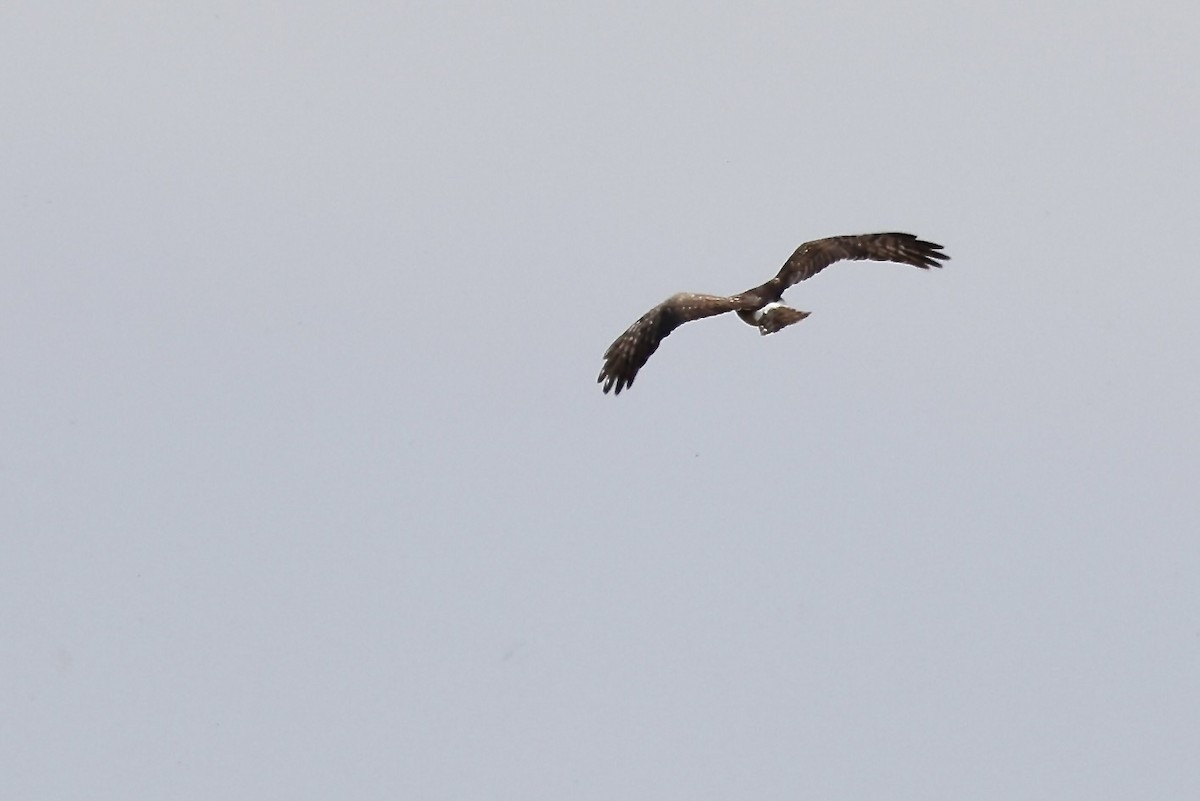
307	490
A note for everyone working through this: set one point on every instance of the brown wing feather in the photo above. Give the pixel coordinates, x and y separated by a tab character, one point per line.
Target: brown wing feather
812	257
626	355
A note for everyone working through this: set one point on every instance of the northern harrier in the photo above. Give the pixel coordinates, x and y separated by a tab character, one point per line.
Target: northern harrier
759	306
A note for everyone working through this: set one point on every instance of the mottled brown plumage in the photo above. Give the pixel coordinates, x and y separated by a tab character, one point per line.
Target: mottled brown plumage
761	305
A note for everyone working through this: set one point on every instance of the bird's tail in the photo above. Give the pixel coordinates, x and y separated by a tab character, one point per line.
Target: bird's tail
779	318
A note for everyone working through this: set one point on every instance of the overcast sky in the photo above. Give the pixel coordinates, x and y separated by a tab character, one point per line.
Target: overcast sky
307	489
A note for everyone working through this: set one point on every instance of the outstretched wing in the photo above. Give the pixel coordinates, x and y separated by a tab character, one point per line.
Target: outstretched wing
630	351
812	257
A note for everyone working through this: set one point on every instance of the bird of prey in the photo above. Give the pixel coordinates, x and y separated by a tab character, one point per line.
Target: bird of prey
760	306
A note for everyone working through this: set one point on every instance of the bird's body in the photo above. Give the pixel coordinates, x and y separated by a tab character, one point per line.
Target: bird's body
761	306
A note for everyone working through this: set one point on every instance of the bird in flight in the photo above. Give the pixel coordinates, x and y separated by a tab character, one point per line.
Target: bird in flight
760	306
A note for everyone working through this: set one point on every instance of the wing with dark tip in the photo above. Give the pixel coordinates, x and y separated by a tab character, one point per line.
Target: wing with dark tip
812	257
630	351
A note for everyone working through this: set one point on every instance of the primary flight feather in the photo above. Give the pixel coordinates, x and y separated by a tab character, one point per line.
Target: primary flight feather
760	306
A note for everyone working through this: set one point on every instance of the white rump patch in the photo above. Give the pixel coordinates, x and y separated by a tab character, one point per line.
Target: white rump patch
761	313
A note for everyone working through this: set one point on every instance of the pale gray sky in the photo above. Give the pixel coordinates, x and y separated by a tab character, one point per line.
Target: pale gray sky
308	490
